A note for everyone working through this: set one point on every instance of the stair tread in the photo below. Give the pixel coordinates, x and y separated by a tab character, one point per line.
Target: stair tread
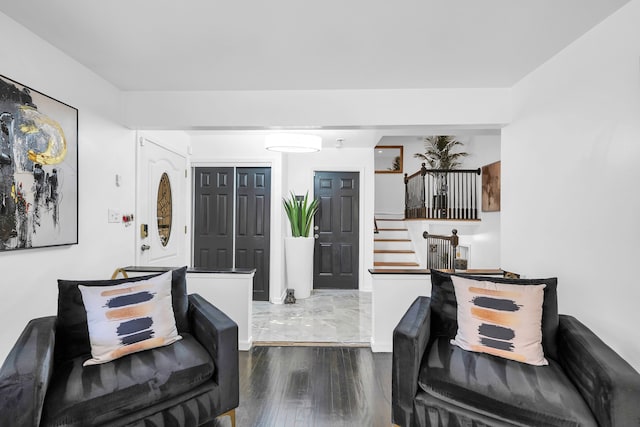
393	251
395	264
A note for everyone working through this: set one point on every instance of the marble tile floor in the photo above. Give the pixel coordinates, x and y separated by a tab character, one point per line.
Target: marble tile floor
330	317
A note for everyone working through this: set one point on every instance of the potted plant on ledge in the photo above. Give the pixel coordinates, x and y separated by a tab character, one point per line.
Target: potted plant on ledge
298	249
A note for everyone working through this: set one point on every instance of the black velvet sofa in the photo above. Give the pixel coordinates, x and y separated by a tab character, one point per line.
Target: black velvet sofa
187	383
435	383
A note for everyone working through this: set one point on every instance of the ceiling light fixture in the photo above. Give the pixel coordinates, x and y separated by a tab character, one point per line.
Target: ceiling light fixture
293	143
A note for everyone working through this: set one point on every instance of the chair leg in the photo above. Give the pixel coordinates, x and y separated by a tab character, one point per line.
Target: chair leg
118	271
232	415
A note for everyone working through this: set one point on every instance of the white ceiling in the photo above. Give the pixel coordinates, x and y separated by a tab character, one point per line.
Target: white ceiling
298	44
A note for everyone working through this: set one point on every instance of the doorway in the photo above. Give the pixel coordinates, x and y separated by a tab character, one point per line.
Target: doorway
232	217
161	200
336	230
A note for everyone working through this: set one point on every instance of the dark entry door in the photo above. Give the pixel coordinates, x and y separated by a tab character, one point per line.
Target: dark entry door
337	228
218	193
253	207
213	218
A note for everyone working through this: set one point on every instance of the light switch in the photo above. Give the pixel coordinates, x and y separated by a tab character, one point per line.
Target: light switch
114	216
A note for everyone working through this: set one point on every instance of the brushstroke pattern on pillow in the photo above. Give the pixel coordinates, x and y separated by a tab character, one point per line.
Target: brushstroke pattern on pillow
500	319
129	317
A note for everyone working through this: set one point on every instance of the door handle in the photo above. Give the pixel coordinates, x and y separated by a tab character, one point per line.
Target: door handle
315	236
145	248
316	227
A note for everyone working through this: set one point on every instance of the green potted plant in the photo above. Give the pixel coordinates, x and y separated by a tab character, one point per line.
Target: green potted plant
440	153
298	249
300	213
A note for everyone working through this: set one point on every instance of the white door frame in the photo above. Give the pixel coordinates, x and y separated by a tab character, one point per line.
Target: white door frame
180	204
363	219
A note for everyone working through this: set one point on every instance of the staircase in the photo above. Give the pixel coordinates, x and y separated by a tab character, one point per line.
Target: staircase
392	248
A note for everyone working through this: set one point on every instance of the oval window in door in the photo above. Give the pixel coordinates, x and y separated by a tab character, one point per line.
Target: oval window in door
164	209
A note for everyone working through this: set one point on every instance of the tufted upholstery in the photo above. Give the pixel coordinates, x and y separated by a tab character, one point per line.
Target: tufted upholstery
435	383
503	389
90	395
187	383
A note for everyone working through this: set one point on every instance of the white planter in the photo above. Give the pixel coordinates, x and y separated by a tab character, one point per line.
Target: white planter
298	255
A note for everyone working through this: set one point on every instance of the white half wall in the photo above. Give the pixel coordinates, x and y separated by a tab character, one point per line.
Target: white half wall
392	296
231	293
569	179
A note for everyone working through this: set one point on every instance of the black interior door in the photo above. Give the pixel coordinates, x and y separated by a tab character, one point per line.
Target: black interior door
213	218
336	249
218	193
253	207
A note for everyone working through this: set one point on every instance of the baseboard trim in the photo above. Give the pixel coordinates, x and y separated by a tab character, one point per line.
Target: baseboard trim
309	344
245	345
381	348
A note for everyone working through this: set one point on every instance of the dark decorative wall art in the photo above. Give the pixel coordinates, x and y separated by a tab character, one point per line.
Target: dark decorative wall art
491	187
38	169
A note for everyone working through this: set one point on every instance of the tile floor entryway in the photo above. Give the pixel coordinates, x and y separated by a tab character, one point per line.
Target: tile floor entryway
327	316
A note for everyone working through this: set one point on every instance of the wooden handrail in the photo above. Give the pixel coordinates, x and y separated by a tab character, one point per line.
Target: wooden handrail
453	238
476	171
422	172
439	255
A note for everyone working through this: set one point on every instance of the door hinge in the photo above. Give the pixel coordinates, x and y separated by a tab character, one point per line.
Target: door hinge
185	229
185	173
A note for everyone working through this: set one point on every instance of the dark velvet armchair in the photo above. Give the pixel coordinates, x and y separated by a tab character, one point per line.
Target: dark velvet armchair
187	383
435	383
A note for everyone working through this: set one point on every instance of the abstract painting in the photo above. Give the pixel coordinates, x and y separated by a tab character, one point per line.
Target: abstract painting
38	169
491	187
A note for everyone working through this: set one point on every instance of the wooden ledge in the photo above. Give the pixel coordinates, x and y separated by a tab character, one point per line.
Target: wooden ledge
148	269
474	272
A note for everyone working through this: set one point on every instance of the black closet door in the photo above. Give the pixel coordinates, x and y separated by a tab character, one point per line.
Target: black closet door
214	235
253	208
213	218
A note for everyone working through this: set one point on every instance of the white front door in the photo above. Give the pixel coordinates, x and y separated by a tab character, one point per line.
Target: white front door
161	206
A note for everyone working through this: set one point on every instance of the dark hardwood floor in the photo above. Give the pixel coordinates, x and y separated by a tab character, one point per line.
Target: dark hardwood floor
314	386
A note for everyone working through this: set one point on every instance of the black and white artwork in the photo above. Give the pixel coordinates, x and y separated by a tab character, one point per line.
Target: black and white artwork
38	169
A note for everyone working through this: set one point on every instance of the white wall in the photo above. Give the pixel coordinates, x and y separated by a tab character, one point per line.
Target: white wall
28	277
569	179
316	108
484	240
